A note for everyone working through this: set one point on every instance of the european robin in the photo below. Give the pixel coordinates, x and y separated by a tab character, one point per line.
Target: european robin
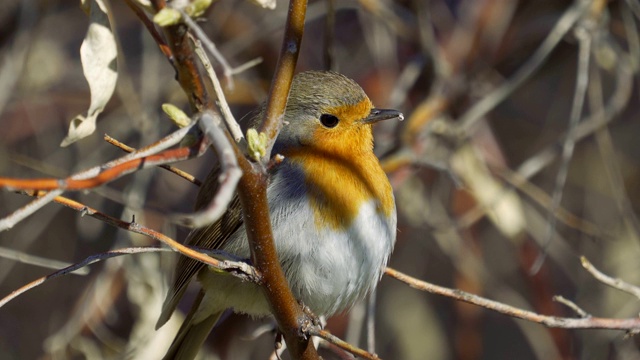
332	212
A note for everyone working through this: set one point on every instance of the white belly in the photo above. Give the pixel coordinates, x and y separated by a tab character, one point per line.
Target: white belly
327	269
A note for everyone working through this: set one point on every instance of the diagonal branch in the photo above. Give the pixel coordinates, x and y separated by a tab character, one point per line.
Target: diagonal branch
630	324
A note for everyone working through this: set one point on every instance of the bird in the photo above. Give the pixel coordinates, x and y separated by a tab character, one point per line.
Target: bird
331	206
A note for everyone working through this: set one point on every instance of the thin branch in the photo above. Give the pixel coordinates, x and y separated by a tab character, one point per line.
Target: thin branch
237	268
183	174
607	153
631	324
279	92
371	322
573	306
30	259
608	280
151	28
187	72
77	266
15	217
562	27
246	66
96	176
540	197
329	49
616	103
210	46
230	174
582	80
327	336
229	119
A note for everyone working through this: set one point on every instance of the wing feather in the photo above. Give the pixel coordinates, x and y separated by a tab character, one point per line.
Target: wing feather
212	237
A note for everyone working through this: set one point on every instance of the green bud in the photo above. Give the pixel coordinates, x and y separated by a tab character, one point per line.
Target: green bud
167	17
197	7
257	144
177	116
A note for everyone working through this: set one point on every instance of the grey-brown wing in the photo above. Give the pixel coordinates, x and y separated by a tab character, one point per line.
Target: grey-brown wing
212	236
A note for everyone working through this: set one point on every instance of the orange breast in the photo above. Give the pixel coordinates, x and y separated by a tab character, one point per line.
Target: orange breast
339	180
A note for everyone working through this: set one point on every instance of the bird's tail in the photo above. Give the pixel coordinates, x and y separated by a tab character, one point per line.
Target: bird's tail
191	335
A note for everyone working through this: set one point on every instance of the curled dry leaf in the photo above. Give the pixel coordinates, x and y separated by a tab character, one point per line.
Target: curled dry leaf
98	55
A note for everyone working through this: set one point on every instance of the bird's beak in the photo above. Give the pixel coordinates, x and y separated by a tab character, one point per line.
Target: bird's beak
382	114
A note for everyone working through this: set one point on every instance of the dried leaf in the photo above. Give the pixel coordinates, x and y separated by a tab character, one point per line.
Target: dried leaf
98	55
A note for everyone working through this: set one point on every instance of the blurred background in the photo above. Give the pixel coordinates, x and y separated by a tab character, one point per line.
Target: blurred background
519	154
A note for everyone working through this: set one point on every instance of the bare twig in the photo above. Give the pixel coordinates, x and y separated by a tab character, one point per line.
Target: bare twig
151	28
15	217
210	46
608	280
75	267
543	199
582	80
183	174
98	175
229	119
616	103
327	336
573	306
607	152
230	174
328	49
30	259
371	322
632	324
237	268
562	27
279	92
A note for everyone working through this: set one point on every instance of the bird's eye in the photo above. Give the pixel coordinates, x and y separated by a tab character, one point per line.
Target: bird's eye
329	120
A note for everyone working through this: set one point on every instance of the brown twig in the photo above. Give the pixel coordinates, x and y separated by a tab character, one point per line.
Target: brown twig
148	156
188	75
183	174
630	324
279	92
107	175
151	28
239	269
327	336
